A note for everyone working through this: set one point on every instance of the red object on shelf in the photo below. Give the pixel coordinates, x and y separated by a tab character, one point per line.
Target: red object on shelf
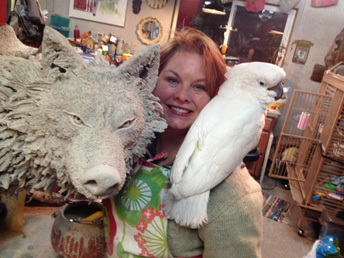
76	32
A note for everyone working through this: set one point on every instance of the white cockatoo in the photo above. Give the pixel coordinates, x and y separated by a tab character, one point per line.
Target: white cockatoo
227	128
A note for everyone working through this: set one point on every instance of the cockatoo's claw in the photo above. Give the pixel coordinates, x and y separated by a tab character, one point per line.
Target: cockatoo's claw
174	193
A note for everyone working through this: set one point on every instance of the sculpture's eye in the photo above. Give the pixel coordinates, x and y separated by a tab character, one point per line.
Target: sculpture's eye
262	82
77	120
127	123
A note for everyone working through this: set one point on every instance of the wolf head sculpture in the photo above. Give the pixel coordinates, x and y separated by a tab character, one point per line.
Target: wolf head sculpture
71	126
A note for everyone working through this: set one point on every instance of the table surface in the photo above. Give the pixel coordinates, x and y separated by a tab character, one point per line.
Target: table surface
35	242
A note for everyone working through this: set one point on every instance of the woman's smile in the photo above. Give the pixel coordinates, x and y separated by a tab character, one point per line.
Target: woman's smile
179	110
182	90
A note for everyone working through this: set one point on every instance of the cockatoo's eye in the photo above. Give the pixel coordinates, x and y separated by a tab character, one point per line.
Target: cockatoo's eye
262	82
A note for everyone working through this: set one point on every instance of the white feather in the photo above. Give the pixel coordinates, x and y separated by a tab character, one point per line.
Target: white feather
227	128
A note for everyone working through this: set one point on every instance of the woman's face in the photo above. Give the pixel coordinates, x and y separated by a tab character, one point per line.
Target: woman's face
182	90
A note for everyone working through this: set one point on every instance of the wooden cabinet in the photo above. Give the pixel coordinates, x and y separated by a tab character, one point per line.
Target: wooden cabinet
255	167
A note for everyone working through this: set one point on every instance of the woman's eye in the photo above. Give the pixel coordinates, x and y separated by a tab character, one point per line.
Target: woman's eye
127	123
172	80
200	87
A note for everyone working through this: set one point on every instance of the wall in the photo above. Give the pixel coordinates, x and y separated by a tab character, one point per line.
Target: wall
128	32
318	25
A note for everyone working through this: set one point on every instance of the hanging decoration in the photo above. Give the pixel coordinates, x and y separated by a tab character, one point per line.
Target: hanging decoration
137	6
301	51
287	5
156	4
255	6
149	30
323	3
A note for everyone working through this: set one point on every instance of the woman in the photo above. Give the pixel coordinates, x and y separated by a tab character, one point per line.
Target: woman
191	70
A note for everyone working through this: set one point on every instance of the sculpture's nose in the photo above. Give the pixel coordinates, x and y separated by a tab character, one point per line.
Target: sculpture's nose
101	180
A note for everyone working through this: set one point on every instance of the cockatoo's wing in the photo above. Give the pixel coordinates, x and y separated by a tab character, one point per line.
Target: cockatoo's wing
215	145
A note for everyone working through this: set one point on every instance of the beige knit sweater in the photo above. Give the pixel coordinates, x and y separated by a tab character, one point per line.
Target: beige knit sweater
234	226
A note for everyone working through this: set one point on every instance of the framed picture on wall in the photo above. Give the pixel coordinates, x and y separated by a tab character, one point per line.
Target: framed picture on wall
301	51
104	11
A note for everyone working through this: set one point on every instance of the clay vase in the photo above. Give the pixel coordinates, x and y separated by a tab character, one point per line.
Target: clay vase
71	238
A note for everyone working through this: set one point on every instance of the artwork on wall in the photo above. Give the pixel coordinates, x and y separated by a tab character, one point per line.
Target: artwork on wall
149	30
323	3
301	51
104	11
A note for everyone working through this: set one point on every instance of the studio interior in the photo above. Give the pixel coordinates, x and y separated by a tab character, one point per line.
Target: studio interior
298	160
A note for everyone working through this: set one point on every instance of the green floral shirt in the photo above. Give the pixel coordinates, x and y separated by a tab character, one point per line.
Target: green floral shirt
136	223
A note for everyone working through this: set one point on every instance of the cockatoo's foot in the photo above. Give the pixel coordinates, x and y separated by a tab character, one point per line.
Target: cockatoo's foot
174	193
189	212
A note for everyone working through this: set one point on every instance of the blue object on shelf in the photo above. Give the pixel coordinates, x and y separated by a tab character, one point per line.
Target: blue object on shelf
60	23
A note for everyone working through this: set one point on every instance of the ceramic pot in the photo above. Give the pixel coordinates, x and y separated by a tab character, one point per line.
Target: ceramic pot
70	237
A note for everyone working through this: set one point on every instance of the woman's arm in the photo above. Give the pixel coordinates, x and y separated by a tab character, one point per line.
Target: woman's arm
235	221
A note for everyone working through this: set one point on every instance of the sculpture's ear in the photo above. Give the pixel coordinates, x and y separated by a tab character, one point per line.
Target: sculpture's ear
143	65
57	52
10	45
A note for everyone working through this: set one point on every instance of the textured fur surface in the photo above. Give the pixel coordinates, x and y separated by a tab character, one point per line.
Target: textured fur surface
75	127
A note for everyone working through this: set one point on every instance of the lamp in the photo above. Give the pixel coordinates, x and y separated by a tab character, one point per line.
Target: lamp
213	7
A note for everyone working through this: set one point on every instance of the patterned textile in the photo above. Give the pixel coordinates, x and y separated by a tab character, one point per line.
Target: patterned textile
136	223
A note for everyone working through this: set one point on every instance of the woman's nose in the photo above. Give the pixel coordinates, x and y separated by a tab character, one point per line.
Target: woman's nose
182	94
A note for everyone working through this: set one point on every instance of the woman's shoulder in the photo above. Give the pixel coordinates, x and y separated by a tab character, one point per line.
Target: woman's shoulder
238	183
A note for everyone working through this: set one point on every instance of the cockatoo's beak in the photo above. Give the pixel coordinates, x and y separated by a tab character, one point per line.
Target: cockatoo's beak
278	89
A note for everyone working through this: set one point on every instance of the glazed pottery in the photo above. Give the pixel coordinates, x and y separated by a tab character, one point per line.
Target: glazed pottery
71	237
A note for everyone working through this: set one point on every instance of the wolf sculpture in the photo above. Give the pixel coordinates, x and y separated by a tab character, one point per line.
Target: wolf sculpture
74	127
